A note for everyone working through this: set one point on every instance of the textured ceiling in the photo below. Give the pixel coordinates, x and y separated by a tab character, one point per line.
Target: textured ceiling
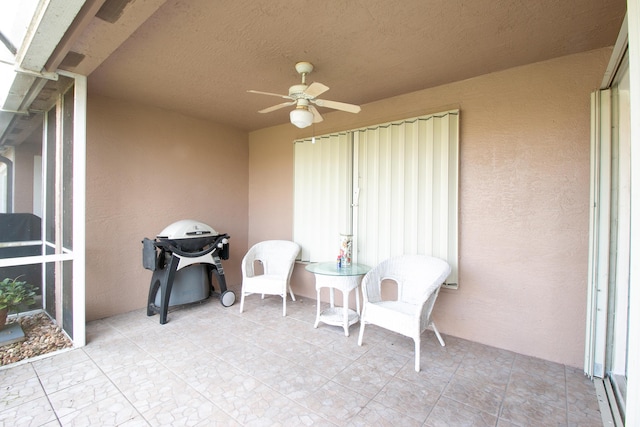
200	57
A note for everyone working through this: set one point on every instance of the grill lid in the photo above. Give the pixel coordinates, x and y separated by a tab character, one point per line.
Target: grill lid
186	229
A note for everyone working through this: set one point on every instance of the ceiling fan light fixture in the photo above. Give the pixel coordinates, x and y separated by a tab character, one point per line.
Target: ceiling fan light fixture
301	117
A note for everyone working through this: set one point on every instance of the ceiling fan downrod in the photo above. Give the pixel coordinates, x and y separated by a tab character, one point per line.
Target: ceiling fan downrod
304	68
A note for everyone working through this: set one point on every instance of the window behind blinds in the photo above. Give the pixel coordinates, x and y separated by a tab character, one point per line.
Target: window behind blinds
393	186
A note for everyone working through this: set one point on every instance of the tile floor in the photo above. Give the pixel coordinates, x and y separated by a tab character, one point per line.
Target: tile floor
211	365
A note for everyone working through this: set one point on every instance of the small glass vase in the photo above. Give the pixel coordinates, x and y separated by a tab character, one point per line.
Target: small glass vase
346	241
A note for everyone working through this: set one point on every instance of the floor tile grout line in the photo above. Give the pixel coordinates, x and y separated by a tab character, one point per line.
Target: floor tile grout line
240	369
566	394
120	392
160	362
506	390
178	376
445	387
35	376
329	379
53	409
259	381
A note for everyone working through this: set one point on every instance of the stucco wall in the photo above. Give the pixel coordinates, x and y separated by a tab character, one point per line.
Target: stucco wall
524	200
147	168
23	169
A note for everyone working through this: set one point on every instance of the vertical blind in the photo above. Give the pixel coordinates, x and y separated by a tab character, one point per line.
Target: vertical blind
322	194
401	183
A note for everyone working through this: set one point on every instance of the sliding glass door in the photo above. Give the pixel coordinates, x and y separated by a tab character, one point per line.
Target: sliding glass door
607	338
620	225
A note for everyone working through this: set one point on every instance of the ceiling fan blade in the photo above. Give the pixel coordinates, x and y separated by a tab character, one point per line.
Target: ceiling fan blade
277	107
315	89
317	117
269	93
350	108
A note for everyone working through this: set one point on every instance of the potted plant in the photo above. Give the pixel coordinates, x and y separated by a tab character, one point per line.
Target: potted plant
13	294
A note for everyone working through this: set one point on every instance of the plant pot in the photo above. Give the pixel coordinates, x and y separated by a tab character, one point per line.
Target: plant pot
3	317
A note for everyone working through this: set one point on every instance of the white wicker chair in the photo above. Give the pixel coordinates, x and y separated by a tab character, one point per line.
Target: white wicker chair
277	258
418	278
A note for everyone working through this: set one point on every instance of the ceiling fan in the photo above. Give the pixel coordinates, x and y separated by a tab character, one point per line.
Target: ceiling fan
304	97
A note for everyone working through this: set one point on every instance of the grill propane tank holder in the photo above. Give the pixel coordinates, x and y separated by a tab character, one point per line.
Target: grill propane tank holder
185	254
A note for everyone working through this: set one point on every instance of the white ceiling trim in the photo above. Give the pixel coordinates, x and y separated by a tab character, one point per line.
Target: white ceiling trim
51	21
619	50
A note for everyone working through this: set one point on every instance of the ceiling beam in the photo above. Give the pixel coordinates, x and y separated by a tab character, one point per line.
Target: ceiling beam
50	22
101	38
83	19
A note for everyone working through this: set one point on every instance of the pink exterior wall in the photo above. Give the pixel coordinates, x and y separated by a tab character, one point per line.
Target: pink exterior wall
147	168
524	200
23	169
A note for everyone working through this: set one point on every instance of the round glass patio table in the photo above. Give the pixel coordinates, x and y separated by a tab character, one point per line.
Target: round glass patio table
345	279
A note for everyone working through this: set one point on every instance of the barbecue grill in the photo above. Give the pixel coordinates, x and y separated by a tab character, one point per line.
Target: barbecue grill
175	256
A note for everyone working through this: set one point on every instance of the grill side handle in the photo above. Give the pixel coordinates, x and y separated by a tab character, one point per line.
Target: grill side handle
149	254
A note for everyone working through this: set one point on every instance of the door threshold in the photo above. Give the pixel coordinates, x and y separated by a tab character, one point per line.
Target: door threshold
609	411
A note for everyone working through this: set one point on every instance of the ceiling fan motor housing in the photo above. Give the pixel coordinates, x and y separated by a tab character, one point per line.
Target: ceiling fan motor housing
297	91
